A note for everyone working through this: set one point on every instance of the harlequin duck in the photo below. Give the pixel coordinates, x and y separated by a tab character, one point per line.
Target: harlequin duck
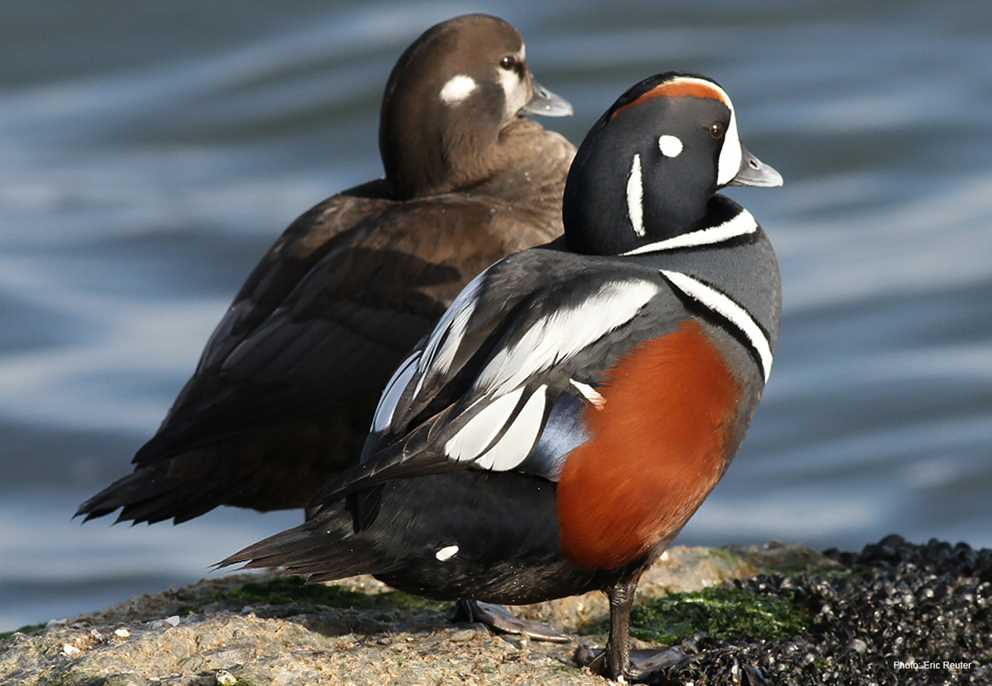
285	389
578	401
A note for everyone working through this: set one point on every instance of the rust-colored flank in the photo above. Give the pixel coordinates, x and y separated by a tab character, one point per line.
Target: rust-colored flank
675	88
656	450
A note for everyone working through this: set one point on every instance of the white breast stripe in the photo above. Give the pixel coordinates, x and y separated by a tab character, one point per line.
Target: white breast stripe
559	336
391	394
727	308
635	196
740	224
516	443
481	429
589	393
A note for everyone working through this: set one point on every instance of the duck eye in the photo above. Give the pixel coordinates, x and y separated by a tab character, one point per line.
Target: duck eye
716	130
509	62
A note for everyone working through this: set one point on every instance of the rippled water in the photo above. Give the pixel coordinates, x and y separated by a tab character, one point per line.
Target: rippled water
149	152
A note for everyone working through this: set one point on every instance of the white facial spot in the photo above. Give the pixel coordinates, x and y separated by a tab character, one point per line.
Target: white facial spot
446	553
670	146
514	88
635	196
730	153
457	89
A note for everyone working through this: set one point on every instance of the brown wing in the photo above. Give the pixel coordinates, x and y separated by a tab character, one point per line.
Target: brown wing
286	386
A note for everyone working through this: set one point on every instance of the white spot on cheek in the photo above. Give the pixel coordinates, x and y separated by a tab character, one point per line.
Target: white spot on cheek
446	553
457	89
670	146
635	196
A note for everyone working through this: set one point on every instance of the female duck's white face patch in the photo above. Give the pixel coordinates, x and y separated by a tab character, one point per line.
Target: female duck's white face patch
457	89
670	146
514	87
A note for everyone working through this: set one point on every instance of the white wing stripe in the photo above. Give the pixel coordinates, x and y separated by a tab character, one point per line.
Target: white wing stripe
728	309
518	440
447	334
481	429
394	390
561	335
740	224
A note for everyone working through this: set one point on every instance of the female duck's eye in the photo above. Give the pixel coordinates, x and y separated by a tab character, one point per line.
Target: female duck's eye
509	62
716	130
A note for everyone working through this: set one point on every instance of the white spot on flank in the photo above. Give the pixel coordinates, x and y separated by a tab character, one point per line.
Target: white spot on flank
457	89
590	394
446	553
635	197
728	309
670	146
740	224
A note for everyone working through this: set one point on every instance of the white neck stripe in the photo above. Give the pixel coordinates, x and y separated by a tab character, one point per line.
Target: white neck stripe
740	224
635	196
727	308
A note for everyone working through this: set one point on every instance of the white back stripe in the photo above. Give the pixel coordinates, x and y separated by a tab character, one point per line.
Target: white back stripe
729	310
558	336
740	224
635	196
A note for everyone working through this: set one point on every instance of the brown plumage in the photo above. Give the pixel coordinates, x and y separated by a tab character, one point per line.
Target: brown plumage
285	389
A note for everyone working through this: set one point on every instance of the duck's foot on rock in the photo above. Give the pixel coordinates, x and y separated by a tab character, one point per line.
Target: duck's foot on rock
500	618
644	664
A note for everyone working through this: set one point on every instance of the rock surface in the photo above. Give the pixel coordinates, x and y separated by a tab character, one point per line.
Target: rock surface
762	614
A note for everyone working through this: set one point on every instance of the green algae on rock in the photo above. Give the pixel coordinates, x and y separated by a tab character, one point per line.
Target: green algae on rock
724	612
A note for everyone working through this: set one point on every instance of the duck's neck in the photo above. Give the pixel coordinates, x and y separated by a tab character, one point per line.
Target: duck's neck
428	147
717	220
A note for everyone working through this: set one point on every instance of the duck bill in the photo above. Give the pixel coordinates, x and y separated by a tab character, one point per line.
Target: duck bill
754	172
546	104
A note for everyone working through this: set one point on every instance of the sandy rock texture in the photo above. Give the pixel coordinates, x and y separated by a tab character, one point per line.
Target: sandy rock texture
263	629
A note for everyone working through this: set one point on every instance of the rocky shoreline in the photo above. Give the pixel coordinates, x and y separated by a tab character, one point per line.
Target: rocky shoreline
895	613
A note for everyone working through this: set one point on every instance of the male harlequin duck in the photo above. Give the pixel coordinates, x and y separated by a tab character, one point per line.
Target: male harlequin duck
577	402
287	384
